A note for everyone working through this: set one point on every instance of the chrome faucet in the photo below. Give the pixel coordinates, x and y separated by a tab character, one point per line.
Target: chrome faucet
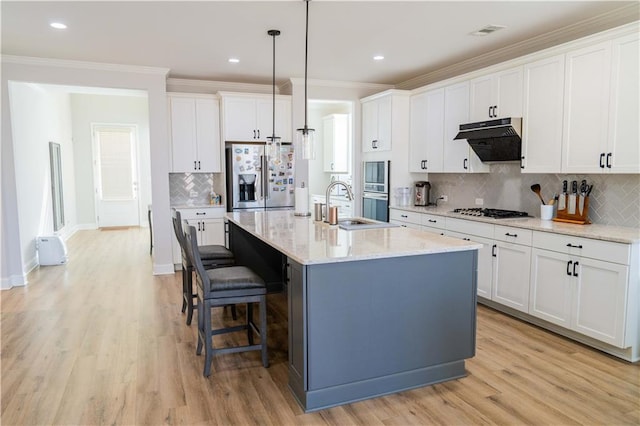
328	200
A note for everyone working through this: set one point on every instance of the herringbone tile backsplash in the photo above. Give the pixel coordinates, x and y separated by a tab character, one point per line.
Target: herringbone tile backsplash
181	186
615	199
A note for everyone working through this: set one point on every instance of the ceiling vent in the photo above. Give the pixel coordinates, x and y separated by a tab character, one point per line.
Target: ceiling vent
487	30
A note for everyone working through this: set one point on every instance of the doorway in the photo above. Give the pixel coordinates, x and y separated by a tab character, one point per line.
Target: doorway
116	175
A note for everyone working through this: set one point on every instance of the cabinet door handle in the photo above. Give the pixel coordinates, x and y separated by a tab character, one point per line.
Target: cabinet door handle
490	107
574	246
495	111
258	133
464	163
467	239
569	267
433	221
254	134
201	213
602	160
511	235
575	274
199	226
404	215
374	144
194	166
198	164
493	250
608	160
203	226
522	162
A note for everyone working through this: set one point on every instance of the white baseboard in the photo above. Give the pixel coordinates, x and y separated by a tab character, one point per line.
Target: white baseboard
164	269
85	227
13	281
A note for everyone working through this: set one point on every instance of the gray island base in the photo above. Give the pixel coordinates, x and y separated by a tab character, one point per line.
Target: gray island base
363	326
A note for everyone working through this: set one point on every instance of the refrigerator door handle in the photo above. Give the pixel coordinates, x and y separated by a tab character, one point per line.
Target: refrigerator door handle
265	176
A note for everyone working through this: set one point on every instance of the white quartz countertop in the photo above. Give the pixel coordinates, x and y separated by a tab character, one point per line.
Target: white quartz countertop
618	234
309	242
198	206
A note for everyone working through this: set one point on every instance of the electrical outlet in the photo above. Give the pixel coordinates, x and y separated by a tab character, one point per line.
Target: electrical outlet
444	198
193	194
479	201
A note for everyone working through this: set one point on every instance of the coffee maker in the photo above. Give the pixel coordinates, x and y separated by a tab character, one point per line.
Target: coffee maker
422	193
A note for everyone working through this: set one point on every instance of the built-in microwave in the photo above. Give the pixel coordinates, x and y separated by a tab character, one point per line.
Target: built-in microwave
376	176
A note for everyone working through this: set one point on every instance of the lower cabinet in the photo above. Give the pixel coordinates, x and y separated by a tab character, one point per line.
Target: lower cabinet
209	224
511	275
485	261
585	295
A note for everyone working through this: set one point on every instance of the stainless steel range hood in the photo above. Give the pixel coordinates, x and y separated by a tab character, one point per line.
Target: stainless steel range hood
494	140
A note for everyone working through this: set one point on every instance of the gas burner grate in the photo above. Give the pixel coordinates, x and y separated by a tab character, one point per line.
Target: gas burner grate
492	213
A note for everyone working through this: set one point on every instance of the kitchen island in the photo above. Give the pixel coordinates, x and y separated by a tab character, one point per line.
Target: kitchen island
371	311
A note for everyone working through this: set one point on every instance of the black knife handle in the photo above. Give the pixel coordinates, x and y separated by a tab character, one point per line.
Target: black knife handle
574	187
564	186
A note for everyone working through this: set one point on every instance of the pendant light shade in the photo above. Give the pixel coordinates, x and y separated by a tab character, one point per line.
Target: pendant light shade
273	141
305	146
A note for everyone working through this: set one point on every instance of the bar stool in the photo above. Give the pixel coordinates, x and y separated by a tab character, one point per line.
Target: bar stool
213	256
224	286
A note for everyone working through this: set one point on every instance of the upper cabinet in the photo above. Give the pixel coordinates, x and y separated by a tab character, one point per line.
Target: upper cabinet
376	124
249	117
426	132
458	155
336	141
542	124
496	95
435	121
600	133
623	150
195	133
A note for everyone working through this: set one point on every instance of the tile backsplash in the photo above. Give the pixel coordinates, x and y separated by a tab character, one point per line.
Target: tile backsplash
183	185
615	199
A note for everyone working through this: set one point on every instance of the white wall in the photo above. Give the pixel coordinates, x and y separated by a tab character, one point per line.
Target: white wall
75	73
88	109
40	116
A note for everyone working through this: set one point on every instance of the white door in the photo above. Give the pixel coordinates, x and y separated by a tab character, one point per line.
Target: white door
511	276
116	175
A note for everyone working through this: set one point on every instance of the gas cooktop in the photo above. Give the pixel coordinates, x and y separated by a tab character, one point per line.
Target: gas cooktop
493	213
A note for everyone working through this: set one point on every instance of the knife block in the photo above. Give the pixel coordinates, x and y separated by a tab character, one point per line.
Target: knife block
577	218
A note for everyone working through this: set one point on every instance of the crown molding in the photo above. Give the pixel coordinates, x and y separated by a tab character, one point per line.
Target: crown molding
615	18
211	86
336	83
68	63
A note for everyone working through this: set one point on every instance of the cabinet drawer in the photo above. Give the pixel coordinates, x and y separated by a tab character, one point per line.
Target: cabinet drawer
470	227
405	216
584	247
202	213
433	221
512	235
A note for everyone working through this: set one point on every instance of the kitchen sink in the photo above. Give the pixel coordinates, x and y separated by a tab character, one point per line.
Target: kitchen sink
354	223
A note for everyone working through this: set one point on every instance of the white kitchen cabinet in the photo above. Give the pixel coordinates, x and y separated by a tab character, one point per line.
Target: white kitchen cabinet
249	118
458	157
376	124
426	135
485	261
496	95
575	291
512	263
623	150
195	133
543	109
336	141
385	118
209	224
433	223
586	107
405	218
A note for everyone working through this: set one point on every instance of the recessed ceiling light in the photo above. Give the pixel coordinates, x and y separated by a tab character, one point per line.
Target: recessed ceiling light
234	60
378	58
488	30
58	25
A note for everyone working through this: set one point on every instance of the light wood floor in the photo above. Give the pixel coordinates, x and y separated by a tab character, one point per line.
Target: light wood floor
102	341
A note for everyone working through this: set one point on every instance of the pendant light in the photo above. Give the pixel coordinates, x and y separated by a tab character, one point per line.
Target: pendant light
305	135
273	141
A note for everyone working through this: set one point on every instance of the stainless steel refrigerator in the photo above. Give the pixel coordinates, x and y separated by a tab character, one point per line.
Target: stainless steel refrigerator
258	181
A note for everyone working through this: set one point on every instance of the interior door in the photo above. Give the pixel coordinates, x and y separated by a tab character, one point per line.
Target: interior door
116	176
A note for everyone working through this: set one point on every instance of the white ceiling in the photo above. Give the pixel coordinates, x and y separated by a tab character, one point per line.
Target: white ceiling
195	39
